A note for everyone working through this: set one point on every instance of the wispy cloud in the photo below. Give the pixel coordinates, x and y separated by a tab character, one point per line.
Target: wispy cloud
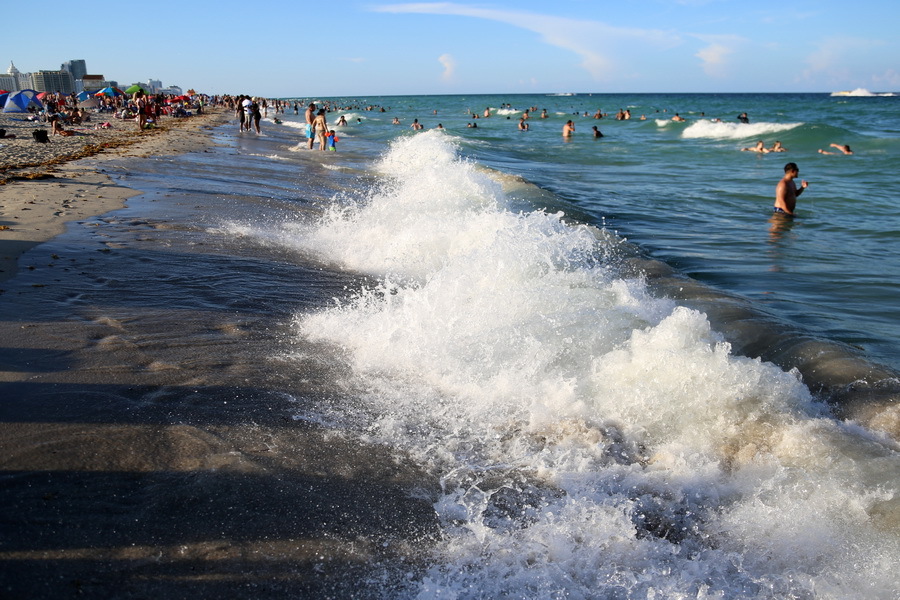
449	64
715	57
595	42
835	55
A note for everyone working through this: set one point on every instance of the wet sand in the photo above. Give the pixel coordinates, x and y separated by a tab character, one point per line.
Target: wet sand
133	466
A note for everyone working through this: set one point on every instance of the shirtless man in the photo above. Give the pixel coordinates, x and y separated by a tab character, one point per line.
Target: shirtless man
786	191
568	129
777	147
310	116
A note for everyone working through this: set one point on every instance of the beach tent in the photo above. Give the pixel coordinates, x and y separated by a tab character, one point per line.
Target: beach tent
19	102
3	96
82	96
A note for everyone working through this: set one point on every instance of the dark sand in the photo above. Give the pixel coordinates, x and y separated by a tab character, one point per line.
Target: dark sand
132	467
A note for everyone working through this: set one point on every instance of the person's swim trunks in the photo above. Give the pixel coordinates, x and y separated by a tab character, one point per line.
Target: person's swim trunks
309	131
781	211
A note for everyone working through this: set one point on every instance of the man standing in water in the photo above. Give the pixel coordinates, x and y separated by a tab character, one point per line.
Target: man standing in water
786	191
310	117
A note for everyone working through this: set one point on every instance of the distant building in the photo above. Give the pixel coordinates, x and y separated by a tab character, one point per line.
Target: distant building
78	68
93	83
17	80
7	82
53	81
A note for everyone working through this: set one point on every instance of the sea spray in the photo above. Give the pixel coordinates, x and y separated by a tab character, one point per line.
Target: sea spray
589	439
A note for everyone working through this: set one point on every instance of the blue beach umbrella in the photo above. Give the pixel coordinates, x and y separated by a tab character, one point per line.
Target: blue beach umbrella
83	96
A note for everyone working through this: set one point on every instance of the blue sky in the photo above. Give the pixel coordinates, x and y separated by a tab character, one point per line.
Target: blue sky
368	48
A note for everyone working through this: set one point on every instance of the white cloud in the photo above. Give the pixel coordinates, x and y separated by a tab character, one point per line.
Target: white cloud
595	42
715	57
449	64
834	54
890	79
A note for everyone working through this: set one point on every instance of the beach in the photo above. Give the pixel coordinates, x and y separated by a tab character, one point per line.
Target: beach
127	471
459	363
44	187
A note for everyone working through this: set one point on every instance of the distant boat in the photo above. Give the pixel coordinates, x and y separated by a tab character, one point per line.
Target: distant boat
860	93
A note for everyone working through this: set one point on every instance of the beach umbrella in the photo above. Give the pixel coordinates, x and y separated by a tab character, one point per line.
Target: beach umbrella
82	96
89	103
191	92
110	91
135	88
42	95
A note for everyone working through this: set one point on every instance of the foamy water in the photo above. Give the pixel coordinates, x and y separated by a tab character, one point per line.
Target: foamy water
591	440
734	131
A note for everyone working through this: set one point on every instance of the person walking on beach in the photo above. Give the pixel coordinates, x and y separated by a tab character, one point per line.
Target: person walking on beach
254	116
786	191
240	114
140	105
310	116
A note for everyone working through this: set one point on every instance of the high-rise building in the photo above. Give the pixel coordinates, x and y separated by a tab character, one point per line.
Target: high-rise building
78	68
53	81
7	82
20	81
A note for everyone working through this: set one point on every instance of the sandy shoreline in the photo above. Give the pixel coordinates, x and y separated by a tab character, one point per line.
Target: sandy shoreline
44	186
136	465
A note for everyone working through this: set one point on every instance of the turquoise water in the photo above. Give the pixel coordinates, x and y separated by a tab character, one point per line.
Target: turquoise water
687	195
494	306
593	430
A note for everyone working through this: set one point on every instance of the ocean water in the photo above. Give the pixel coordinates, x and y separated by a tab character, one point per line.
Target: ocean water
608	358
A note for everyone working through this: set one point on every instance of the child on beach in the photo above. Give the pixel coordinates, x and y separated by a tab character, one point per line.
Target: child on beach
332	140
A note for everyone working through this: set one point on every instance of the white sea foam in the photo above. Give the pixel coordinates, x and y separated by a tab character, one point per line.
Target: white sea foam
734	131
592	441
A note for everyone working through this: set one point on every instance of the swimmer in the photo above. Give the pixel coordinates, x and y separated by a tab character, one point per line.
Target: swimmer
523	126
843	148
759	147
597	132
786	191
678	118
777	147
568	129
